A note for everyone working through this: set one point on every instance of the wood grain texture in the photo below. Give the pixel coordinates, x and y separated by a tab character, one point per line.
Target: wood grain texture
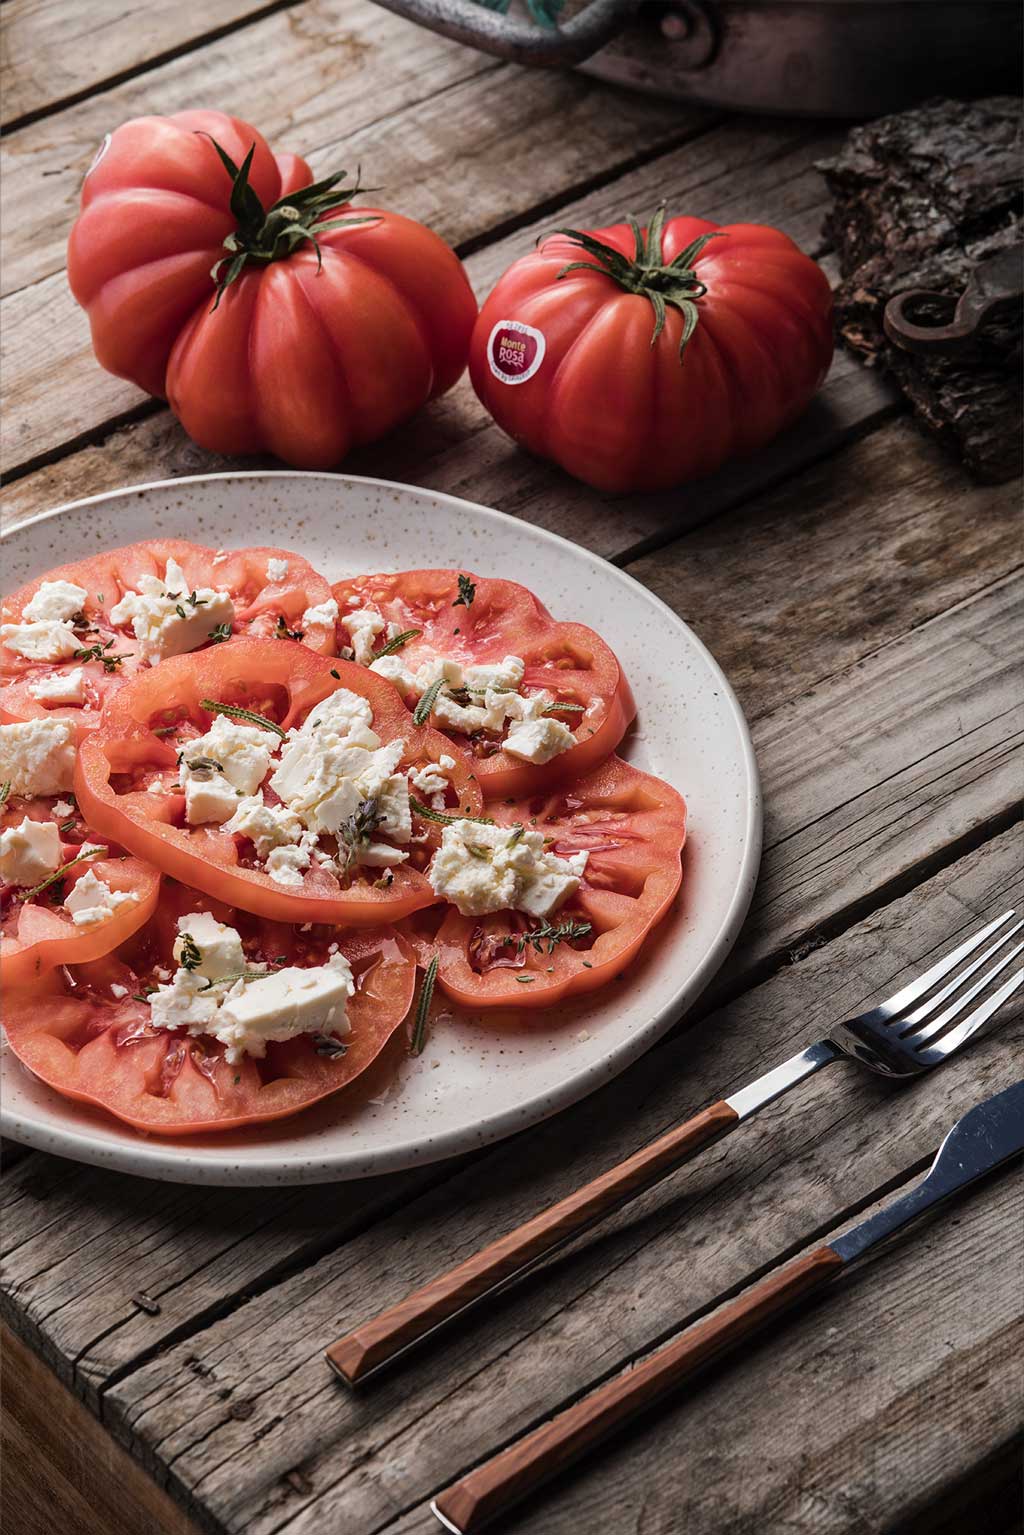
377	1340
868	779
874	1411
62	1470
326	1458
52	51
526	1465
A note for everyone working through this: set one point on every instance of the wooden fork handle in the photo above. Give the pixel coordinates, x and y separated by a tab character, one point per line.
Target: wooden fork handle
470	1504
392	1331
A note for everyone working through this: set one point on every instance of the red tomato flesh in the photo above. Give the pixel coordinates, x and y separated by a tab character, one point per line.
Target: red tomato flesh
633	826
96	1046
39	934
262	609
568	660
154	715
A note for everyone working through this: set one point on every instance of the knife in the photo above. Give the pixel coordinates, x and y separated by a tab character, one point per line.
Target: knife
983	1139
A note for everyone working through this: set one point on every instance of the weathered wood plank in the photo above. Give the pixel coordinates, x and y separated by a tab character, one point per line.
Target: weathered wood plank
800	584
868	779
327	1459
53	51
875	1408
62	1470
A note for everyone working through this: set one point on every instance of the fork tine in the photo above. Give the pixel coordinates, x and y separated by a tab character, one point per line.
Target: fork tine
915	990
957	1006
951	1042
925	1011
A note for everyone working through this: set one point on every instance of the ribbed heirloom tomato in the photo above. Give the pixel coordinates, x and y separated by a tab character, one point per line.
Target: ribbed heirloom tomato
272	315
639	358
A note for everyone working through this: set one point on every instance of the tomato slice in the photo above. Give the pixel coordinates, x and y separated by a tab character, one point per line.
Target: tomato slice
503	618
38	934
633	826
91	1043
152	718
265	607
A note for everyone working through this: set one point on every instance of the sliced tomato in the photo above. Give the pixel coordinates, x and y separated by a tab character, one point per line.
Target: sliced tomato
503	618
263	608
152	717
633	826
37	934
91	1042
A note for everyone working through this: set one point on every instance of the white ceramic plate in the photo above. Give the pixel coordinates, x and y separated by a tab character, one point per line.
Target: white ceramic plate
475	1082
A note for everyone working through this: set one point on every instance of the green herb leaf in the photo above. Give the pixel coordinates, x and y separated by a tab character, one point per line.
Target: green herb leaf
426	814
327	1044
5	789
357	830
234	712
51	879
419	1028
282	632
562	932
397	643
221	633
467	591
421	713
191	953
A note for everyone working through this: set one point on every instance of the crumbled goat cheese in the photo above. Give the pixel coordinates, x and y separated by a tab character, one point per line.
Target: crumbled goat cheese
90	900
29	852
37	757
49	640
55	599
481	868
277	570
60	687
167	618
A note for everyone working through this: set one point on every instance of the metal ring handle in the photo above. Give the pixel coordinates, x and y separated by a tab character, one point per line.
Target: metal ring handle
507	37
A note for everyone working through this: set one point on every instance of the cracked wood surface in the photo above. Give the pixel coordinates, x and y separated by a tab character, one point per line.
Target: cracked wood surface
863	596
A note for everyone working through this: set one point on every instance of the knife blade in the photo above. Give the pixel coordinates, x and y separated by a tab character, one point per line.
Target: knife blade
981	1140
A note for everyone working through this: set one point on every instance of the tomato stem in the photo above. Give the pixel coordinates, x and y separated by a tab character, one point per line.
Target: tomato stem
272	234
647	274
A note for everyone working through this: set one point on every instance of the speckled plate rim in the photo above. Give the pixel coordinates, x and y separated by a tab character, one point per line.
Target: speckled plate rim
172	1162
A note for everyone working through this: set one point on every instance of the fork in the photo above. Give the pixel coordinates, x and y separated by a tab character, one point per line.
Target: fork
911	1032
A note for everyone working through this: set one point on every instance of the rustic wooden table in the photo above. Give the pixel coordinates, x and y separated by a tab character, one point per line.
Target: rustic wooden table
164	1352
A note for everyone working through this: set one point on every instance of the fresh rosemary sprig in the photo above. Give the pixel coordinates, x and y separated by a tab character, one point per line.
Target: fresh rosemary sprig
565	709
5	789
467	591
229	980
397	643
426	814
234	712
421	713
419	1028
51	879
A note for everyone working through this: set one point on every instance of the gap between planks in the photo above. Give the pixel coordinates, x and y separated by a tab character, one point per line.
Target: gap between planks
853	1133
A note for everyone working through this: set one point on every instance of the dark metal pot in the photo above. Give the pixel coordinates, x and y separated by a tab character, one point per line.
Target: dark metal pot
822	58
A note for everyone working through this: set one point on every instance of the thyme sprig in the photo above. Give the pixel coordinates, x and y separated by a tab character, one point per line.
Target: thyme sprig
357	830
235	712
419	1028
5	789
218	635
552	934
99	652
191	953
467	591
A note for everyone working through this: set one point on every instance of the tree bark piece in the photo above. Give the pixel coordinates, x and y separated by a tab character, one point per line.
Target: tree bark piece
920	199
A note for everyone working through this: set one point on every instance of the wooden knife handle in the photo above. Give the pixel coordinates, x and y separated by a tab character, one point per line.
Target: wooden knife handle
470	1504
386	1334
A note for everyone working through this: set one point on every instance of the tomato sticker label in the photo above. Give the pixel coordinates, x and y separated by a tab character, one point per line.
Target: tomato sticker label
515	351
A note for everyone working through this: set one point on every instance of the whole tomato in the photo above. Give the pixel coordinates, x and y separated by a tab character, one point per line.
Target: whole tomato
637	358
270	313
